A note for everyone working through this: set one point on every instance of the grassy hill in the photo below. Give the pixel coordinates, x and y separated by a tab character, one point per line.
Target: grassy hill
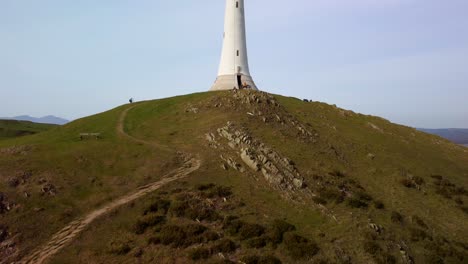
280	181
15	128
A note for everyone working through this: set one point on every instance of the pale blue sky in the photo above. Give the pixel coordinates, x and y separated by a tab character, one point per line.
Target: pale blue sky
404	60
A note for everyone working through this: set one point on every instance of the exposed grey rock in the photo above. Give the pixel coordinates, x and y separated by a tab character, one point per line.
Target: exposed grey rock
277	170
232	163
273	178
298	183
249	159
210	137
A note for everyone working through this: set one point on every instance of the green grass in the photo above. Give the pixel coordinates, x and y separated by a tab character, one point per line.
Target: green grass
90	173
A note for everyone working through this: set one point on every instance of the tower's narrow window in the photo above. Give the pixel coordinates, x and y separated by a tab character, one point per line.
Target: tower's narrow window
237	4
237	53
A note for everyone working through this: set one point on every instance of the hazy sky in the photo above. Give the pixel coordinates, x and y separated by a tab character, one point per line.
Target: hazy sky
404	60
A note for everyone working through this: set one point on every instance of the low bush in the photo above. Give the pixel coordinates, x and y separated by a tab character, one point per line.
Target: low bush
416	219
247	231
363	196
337	173
154	240
199	253
257	242
396	218
417	234
119	248
332	194
372	247
148	221
299	247
379	204
356	203
278	228
224	245
173	235
204	187
253	259
220	261
418	180
408	183
186	235
218	191
160	205
388	258
193	209
319	200
232	225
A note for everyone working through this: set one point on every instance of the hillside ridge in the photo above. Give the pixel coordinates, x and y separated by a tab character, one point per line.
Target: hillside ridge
356	188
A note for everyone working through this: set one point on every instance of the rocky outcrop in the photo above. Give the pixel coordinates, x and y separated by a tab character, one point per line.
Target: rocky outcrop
231	163
249	159
276	169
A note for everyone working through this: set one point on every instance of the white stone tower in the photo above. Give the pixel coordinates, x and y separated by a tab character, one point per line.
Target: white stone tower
234	66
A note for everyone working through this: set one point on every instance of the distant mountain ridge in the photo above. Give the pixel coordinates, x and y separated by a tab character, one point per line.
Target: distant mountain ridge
50	119
456	135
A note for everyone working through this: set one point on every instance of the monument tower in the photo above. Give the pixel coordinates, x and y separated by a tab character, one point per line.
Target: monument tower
234	66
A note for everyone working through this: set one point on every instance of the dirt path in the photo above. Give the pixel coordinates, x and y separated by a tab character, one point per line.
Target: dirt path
68	233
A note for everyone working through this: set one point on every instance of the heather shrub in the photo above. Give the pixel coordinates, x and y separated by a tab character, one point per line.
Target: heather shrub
278	228
299	247
199	253
396	218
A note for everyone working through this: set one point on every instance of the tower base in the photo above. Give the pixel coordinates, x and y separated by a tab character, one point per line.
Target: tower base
229	82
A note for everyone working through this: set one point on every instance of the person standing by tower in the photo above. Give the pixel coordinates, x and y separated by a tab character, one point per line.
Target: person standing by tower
234	66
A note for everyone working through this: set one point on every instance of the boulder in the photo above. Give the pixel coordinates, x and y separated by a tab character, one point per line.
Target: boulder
249	159
298	183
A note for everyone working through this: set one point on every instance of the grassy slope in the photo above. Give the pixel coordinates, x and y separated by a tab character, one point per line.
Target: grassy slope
15	128
92	172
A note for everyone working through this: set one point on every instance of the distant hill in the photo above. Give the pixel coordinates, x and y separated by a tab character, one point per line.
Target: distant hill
456	135
16	128
50	119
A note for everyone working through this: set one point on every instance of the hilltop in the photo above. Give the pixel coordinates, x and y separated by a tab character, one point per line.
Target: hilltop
15	128
222	177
